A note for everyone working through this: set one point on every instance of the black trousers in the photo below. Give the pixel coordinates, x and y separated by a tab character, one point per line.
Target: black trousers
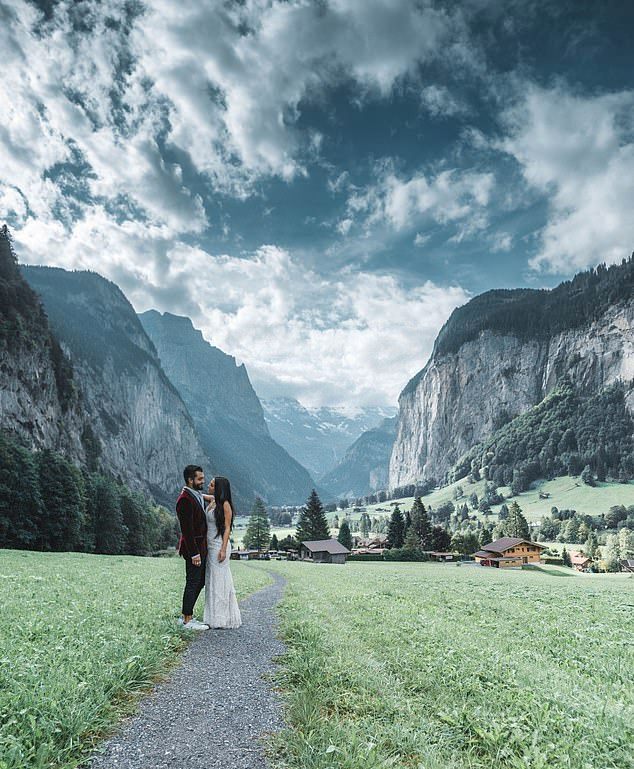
194	583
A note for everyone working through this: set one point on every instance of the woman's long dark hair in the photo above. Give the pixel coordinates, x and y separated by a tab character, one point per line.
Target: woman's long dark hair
222	494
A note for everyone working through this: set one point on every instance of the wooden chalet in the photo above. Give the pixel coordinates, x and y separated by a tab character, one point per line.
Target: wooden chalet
509	552
323	551
436	555
579	561
372	546
244	555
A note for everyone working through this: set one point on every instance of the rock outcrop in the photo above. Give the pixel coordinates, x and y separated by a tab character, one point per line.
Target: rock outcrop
39	400
478	378
141	431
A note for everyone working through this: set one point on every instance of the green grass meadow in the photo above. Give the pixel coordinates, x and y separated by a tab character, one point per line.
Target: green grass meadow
455	667
81	634
567	492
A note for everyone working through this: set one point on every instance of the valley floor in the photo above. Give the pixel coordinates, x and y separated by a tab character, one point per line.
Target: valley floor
403	665
436	666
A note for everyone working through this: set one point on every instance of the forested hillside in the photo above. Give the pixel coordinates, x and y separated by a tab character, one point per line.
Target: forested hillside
563	435
539	313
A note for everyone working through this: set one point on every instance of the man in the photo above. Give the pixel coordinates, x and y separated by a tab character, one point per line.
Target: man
192	545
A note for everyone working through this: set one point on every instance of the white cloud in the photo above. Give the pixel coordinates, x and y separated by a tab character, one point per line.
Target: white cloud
501	241
57	89
350	339
579	151
290	51
450	197
440	102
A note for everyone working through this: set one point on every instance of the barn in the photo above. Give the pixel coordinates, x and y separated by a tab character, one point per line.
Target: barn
323	551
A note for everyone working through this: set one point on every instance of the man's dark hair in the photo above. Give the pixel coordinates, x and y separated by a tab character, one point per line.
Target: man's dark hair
190	471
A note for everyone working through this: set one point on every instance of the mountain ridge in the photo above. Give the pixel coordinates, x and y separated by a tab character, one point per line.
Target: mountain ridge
477	375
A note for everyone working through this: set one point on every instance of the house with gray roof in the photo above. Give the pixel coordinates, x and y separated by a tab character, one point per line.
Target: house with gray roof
323	551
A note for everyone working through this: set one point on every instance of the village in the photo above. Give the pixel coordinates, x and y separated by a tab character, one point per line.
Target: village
504	553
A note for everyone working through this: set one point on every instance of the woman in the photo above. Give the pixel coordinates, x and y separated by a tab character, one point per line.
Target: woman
221	604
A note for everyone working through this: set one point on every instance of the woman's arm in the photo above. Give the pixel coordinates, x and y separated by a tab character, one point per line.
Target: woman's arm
225	537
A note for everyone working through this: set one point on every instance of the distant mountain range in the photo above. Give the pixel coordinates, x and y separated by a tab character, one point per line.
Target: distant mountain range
319	437
364	467
226	411
521	384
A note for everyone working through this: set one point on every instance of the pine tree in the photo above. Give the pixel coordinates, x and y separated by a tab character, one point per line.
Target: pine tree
258	531
440	539
421	524
312	524
565	558
591	547
136	519
485	536
396	528
345	537
63	501
516	525
110	533
274	544
411	542
21	507
408	521
365	524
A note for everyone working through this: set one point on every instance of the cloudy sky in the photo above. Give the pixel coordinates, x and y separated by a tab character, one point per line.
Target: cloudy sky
318	183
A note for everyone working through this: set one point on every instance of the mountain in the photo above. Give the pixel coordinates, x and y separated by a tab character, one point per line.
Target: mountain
39	400
501	354
227	412
139	428
318	437
364	467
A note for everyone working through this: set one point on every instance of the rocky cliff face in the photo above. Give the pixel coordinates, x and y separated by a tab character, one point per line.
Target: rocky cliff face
227	413
39	400
141	429
364	468
462	395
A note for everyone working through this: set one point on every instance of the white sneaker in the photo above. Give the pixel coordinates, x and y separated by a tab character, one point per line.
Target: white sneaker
194	624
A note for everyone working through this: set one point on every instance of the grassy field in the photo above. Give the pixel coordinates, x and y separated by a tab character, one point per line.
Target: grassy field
437	666
565	492
80	635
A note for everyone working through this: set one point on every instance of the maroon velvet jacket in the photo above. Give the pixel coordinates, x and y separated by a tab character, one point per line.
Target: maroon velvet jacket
191	516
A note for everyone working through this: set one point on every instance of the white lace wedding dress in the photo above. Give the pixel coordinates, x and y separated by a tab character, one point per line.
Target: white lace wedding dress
221	604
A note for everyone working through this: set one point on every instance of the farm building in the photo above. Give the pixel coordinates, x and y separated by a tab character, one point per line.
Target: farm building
579	561
436	555
323	551
509	552
627	564
244	555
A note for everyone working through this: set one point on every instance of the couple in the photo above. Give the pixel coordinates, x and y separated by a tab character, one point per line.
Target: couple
206	521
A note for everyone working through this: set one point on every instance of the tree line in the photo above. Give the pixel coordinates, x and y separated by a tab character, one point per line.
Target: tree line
49	504
541	313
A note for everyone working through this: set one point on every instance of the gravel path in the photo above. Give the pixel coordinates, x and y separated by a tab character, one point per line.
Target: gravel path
215	706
